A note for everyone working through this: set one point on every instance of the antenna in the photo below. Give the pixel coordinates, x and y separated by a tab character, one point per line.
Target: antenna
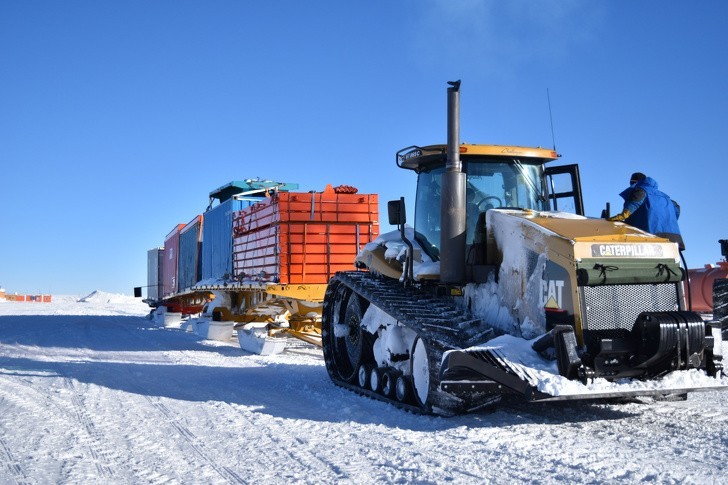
551	119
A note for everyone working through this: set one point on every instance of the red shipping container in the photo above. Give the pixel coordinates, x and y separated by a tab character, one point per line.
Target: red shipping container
46	298
302	238
170	261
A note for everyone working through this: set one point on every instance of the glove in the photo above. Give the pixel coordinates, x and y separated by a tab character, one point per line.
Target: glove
621	216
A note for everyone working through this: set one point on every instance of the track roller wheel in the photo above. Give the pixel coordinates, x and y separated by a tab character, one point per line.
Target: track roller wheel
376	379
402	388
363	376
389	382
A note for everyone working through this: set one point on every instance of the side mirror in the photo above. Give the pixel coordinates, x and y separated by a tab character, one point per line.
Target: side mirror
397	212
137	292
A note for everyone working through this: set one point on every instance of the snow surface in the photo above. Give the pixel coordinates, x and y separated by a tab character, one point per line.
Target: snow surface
93	392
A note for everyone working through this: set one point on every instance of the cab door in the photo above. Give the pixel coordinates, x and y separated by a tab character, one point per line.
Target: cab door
564	186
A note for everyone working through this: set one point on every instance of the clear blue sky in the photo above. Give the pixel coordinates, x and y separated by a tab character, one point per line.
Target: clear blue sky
118	118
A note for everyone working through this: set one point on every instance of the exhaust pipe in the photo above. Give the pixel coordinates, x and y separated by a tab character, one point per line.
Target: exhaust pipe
452	202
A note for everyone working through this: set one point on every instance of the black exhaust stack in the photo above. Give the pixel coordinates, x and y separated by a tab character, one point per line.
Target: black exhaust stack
452	202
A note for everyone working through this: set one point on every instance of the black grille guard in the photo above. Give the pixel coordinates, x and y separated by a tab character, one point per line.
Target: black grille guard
488	370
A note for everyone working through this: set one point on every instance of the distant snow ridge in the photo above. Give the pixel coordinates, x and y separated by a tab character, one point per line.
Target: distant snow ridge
97	296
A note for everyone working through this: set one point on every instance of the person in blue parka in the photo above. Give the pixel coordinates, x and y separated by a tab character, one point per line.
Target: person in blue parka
646	208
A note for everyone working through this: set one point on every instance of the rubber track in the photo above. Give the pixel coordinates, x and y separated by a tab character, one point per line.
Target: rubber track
435	318
441	323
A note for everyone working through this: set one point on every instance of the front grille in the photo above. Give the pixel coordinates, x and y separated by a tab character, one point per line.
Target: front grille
610	308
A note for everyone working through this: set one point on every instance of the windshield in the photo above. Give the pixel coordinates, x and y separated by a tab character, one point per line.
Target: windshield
490	185
427	211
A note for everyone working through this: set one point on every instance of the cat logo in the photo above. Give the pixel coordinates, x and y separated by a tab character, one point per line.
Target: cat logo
552	292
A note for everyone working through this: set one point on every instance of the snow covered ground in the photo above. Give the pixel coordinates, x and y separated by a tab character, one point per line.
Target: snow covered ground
93	392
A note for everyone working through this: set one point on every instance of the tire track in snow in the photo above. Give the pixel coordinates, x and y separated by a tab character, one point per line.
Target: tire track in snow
95	442
32	402
27	399
280	448
10	463
195	443
16	392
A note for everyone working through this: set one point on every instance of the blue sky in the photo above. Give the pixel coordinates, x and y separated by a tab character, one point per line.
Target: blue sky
118	118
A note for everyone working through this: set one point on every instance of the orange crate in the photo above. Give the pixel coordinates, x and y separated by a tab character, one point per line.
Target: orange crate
307	207
270	254
302	238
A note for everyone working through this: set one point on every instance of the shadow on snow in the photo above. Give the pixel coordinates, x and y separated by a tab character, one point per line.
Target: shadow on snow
292	391
91	332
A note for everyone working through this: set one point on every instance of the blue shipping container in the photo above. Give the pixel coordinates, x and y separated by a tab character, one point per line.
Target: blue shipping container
217	231
217	234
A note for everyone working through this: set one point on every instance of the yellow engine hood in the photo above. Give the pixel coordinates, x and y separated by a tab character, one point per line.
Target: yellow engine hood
574	237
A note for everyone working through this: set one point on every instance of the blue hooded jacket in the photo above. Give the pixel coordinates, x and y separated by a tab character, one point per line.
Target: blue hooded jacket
655	213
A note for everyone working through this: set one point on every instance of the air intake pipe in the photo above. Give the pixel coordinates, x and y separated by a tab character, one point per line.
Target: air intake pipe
452	202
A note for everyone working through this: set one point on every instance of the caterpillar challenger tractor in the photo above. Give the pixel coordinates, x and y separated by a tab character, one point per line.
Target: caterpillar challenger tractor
496	291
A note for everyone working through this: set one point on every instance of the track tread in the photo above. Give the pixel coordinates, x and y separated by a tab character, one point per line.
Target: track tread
436	319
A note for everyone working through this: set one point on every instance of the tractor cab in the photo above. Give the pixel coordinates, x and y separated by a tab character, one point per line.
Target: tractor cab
496	177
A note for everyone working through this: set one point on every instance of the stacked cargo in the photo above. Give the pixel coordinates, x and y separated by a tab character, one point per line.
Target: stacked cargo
190	245
170	261
217	232
302	238
217	247
202	249
154	273
264	255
